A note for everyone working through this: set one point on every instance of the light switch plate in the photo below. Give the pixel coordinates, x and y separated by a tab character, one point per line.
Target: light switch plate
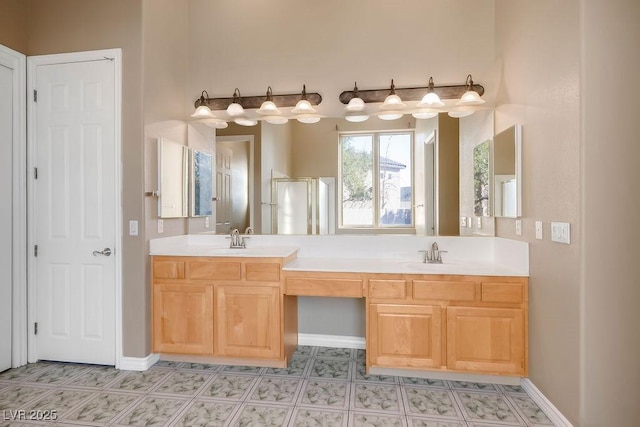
469	222
518	227
160	226
561	232
133	227
479	223
206	222
539	230
463	221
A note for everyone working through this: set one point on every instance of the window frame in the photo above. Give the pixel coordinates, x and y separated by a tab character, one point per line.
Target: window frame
376	138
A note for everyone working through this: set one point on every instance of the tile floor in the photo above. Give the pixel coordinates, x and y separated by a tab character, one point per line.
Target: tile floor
321	387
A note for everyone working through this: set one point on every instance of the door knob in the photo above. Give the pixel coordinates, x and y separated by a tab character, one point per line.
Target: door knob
105	252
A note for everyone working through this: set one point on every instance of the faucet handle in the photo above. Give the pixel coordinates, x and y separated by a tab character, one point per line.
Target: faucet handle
440	255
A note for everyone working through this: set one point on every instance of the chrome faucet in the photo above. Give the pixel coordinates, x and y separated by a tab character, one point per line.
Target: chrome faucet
248	230
237	242
434	256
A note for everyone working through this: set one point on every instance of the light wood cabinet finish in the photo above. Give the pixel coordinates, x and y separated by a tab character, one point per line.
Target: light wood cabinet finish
405	336
319	284
183	319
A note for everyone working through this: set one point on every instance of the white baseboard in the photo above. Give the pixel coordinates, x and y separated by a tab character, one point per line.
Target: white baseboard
545	404
339	341
138	363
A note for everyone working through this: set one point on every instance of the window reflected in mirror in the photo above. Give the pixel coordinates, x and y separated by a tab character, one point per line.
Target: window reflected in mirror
481	172
201	183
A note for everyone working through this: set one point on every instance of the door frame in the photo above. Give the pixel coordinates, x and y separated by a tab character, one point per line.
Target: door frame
33	62
16	61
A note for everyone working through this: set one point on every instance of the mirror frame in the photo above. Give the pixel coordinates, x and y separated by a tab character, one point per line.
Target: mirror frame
163	176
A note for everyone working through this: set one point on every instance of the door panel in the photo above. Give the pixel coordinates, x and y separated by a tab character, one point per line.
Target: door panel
75	211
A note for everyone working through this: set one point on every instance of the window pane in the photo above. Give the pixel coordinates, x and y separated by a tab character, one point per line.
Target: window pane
395	180
357	180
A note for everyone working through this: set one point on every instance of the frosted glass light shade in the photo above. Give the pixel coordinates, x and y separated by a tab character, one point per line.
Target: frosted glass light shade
458	114
268	108
356	117
275	120
203	112
244	121
308	118
235	109
431	99
214	123
470	97
355	104
303	107
424	114
393	102
390	115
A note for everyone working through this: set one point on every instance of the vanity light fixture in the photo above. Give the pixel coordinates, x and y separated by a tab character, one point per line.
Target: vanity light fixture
393	101
235	109
431	99
470	97
303	110
268	107
356	108
203	113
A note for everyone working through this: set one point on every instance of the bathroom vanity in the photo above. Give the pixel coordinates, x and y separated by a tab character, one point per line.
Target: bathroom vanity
239	306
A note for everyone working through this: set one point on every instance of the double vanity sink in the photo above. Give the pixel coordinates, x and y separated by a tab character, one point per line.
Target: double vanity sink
468	314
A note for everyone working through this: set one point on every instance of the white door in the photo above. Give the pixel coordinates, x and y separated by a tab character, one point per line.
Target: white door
75	213
223	190
6	196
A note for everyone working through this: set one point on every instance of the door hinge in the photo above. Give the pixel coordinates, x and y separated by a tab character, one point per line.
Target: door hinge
35	173
35	95
35	328
35	251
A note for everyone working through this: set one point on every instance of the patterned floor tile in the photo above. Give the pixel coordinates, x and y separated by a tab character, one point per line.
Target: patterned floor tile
362	376
430	402
206	414
529	410
103	409
511	389
358	419
431	422
487	407
277	390
97	377
62	401
23	372
168	364
297	367
305	351
152	411
199	367
140	381
183	383
18	396
311	417
228	386
58	374
426	382
334	353
375	397
361	355
250	415
255	370
464	385
328	368
333	394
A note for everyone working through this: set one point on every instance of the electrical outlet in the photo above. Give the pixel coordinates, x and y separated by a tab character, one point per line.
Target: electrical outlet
463	221
561	232
469	222
518	227
479	223
160	226
539	230
133	227
206	222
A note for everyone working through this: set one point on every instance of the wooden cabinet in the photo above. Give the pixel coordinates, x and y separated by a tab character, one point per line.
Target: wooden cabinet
223	310
405	336
247	321
488	340
183	319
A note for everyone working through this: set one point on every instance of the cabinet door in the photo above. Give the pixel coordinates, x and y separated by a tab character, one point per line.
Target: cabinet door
487	340
183	319
405	336
248	321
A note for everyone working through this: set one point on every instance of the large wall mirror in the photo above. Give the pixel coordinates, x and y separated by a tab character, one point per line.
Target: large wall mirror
481	176
201	183
173	167
507	173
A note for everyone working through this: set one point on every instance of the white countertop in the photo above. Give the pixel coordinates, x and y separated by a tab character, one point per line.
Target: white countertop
486	256
398	266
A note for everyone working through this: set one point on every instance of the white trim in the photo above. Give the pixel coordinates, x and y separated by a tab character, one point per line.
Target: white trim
545	404
338	341
17	63
33	62
138	363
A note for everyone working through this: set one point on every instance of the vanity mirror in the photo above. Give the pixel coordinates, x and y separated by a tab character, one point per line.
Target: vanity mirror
507	173
201	183
172	179
481	173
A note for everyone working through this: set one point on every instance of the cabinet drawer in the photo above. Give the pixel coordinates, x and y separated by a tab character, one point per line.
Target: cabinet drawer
324	287
439	290
263	272
168	269
502	292
208	270
388	289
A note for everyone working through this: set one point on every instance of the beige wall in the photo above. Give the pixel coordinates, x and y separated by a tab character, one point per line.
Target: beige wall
448	195
72	25
537	48
13	24
611	200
